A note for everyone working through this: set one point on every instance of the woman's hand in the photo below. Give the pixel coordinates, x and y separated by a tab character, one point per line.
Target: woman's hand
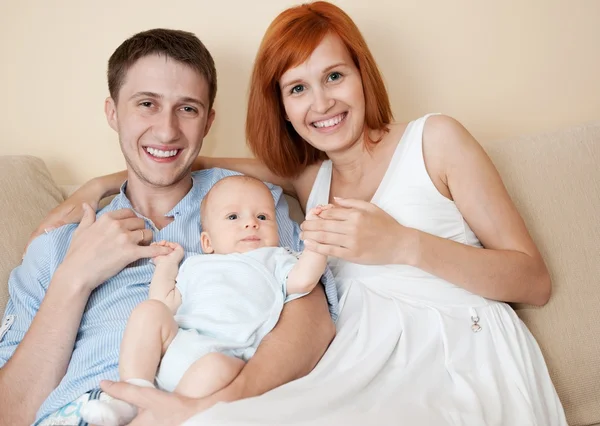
70	210
360	232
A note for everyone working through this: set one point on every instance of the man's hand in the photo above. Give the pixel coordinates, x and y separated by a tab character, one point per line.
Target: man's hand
160	408
101	248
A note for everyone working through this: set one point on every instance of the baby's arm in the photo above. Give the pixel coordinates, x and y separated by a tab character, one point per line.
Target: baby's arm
306	273
163	286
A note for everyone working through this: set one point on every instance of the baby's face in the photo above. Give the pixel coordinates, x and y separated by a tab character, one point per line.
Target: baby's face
239	216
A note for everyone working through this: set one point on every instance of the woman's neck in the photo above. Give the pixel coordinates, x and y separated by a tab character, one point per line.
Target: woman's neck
351	165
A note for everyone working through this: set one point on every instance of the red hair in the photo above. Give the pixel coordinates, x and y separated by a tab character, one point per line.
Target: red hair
289	41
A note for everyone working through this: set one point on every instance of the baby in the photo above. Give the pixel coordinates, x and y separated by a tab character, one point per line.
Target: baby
204	321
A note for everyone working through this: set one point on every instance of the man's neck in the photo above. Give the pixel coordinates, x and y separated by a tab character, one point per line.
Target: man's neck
155	202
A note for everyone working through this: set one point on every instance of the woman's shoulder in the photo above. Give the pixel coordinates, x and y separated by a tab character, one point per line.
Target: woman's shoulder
445	130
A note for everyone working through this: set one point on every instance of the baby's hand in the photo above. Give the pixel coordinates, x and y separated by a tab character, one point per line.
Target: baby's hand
174	257
316	211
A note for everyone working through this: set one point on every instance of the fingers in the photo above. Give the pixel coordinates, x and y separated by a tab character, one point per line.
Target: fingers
89	217
132	223
330	238
353	203
153	250
127	392
169	244
143	236
339	227
121	214
336	213
327	250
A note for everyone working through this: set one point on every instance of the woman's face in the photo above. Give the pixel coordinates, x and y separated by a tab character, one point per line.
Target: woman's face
324	99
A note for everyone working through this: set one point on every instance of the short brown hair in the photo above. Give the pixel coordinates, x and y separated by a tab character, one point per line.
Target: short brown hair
181	46
289	41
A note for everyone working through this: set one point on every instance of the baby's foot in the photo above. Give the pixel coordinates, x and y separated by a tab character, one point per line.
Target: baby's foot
113	412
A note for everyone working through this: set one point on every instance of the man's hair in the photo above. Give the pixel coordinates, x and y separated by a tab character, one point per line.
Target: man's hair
181	46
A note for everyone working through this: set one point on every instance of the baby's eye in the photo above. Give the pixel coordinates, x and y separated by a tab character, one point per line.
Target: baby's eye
232	216
261	217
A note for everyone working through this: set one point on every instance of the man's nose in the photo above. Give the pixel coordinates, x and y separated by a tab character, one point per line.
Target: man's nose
166	127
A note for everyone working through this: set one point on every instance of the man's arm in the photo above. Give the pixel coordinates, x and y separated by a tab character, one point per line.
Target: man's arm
44	337
41	358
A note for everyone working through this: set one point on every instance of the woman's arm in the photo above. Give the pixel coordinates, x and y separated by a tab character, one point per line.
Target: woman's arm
71	210
510	268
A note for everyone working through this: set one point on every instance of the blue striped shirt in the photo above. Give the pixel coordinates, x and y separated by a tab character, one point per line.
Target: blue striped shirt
96	351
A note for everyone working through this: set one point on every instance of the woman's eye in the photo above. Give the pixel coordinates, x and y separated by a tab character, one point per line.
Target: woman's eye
232	217
261	217
297	89
334	76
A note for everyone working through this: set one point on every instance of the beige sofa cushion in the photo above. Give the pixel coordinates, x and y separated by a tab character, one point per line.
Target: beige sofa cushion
28	193
554	180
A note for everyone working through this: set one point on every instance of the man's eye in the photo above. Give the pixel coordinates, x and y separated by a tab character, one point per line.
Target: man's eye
189	109
261	217
146	104
297	89
232	217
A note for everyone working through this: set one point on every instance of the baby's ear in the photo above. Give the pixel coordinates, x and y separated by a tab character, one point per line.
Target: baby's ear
205	243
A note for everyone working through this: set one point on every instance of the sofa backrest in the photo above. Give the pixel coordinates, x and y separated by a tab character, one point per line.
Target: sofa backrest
554	179
28	193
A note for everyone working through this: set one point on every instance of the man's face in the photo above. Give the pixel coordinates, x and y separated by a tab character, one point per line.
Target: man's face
161	116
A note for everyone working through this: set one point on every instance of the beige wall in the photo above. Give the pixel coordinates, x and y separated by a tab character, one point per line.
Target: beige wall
501	67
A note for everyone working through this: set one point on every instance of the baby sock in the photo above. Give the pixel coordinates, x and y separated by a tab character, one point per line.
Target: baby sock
112	412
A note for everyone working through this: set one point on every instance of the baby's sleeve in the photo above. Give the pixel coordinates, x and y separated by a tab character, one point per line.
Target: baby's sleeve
284	264
182	278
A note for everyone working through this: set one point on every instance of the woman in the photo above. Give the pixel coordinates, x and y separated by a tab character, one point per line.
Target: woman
424	241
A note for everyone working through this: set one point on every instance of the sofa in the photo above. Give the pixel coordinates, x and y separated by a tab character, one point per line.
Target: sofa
554	179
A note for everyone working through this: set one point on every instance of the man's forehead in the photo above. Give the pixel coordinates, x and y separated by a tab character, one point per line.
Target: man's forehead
161	76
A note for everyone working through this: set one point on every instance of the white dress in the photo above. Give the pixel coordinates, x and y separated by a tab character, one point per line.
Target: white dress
411	348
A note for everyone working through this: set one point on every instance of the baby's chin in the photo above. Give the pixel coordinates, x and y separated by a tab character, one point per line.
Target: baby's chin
246	246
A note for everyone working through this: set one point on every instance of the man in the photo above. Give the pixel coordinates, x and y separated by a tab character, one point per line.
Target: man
74	291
